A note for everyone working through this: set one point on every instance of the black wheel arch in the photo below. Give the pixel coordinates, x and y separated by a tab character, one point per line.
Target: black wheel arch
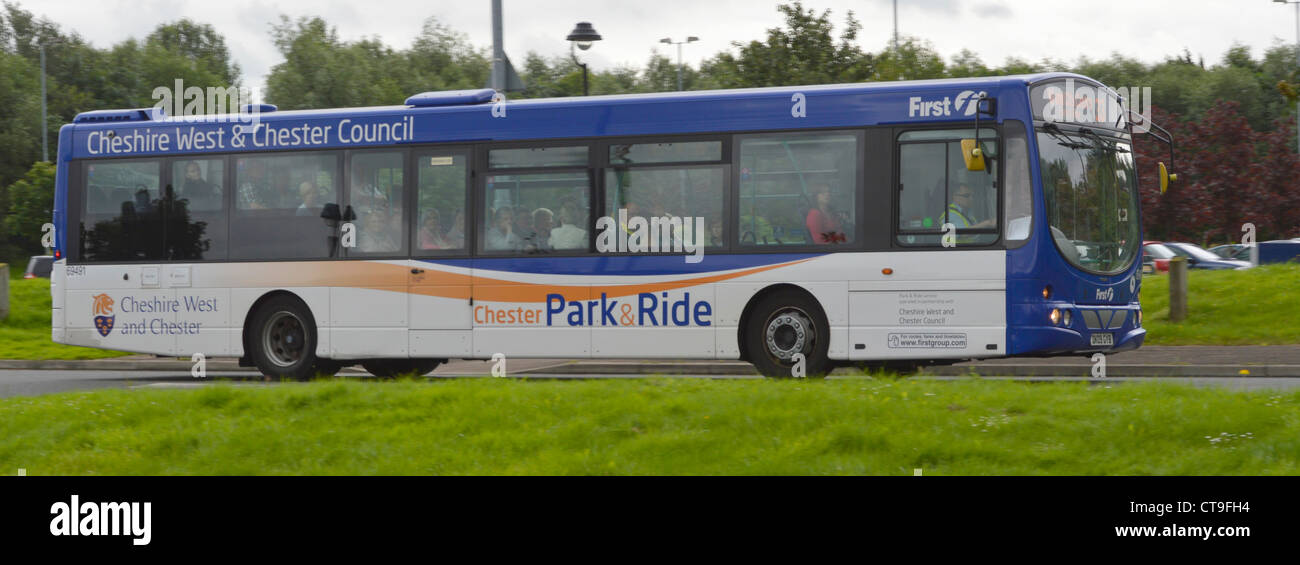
758	297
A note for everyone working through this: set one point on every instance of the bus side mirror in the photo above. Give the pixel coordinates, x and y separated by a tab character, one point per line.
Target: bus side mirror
331	212
1165	177
974	156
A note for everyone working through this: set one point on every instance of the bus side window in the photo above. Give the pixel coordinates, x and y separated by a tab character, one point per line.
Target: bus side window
375	192
798	189
125	223
440	205
937	192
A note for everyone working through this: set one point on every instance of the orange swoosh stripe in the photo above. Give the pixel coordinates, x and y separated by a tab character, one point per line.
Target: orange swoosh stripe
442	284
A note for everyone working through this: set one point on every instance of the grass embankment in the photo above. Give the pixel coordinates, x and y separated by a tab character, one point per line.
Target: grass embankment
1259	306
489	426
25	334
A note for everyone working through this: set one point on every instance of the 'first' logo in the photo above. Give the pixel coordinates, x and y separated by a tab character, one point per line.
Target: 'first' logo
964	105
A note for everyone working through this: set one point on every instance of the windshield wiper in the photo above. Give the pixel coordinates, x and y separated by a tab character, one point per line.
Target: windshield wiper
1061	137
1102	142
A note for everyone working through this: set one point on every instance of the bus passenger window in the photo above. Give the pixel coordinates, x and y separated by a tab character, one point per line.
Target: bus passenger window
440	206
276	198
196	224
536	213
375	194
799	189
123	219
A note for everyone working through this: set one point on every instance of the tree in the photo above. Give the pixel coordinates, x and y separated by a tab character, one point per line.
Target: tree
913	59
321	71
30	206
805	51
968	64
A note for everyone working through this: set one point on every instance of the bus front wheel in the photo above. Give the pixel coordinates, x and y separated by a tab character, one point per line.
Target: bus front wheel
283	340
783	327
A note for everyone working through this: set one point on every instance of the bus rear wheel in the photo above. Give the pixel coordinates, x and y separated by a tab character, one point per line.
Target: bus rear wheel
283	340
391	368
783	327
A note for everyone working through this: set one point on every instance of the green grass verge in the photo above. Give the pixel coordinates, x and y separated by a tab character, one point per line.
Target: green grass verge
655	426
25	334
1259	306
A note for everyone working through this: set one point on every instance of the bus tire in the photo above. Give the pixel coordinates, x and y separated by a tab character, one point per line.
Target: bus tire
283	340
783	324
392	368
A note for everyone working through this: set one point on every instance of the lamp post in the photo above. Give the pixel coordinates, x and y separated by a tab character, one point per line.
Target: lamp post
582	37
669	40
45	128
1297	58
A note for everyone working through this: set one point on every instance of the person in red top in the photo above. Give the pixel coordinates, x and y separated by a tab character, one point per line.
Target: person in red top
822	222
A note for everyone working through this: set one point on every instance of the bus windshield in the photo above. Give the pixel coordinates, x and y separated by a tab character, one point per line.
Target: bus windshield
1089	185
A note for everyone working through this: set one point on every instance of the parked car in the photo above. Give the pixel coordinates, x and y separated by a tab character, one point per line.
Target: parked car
1198	258
1230	251
1155	254
1277	251
39	267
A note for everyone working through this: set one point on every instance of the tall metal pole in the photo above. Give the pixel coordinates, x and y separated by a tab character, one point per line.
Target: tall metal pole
498	50
679	67
45	129
895	28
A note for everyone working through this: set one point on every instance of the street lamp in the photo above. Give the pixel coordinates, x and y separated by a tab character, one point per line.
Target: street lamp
679	44
1297	58
582	37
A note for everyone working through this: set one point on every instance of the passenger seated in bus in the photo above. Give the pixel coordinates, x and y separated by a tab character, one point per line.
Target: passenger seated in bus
823	222
376	235
960	210
501	237
539	241
456	235
570	234
431	232
715	233
201	194
252	189
310	195
142	202
523	223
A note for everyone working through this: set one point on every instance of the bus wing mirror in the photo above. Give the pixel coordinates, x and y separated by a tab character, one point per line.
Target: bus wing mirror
974	156
1165	177
331	212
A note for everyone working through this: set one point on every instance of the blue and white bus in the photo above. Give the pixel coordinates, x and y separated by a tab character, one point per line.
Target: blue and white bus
919	221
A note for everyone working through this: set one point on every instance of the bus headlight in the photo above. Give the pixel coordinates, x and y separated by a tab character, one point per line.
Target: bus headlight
1139	324
1055	316
1066	319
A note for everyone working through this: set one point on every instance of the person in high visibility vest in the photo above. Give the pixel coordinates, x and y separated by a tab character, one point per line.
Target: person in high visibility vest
959	210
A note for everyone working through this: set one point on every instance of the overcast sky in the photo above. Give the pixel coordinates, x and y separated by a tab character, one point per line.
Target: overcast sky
996	29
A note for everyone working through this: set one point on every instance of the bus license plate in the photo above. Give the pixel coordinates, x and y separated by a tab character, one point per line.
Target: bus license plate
1103	339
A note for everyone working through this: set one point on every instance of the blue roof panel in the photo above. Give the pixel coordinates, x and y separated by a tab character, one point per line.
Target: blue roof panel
464	116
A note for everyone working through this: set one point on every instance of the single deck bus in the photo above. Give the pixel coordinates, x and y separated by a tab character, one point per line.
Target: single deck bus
917	221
